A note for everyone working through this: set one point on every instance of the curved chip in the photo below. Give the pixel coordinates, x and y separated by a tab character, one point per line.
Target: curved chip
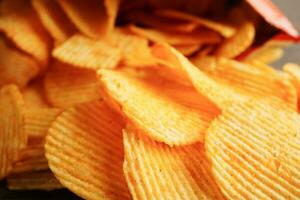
254	149
12	135
201	36
16	67
66	86
239	42
256	82
84	151
220	94
153	170
21	24
156	114
84	52
54	19
93	18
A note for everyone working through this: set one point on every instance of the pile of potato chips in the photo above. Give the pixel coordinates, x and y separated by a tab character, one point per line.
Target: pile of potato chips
146	99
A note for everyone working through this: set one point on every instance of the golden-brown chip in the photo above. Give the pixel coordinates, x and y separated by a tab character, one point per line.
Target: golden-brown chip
54	19
84	150
239	42
34	96
84	52
254	150
201	36
248	78
153	170
66	86
20	23
12	135
40	180
225	30
37	122
31	159
294	72
221	95
93	18
156	114
15	67
265	55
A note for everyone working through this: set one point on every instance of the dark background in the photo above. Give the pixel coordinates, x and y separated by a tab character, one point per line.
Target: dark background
290	7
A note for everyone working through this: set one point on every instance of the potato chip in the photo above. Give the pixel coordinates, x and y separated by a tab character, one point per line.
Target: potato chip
84	151
220	94
239	42
41	180
84	52
201	36
225	30
153	170
248	79
161	23
54	19
265	55
93	18
37	122
15	67
12	135
254	150
34	96
31	159
294	71
21	24
153	112
66	86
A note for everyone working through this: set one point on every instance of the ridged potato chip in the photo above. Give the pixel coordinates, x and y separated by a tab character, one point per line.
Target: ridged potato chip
85	52
201	36
15	67
248	78
12	135
54	19
40	180
21	24
66	86
239	42
254	150
293	70
225	30
37	122
30	159
93	18
155	113
84	150
153	170
220	94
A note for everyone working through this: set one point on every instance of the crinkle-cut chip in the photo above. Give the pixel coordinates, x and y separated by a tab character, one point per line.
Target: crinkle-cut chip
21	24
156	114
34	96
293	70
15	67
37	122
84	150
153	170
187	50
93	18
265	55
85	52
172	60
40	180
161	23
222	28
248	79
135	49
239	42
31	159
12	135
66	86
201	36
54	19
254	150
